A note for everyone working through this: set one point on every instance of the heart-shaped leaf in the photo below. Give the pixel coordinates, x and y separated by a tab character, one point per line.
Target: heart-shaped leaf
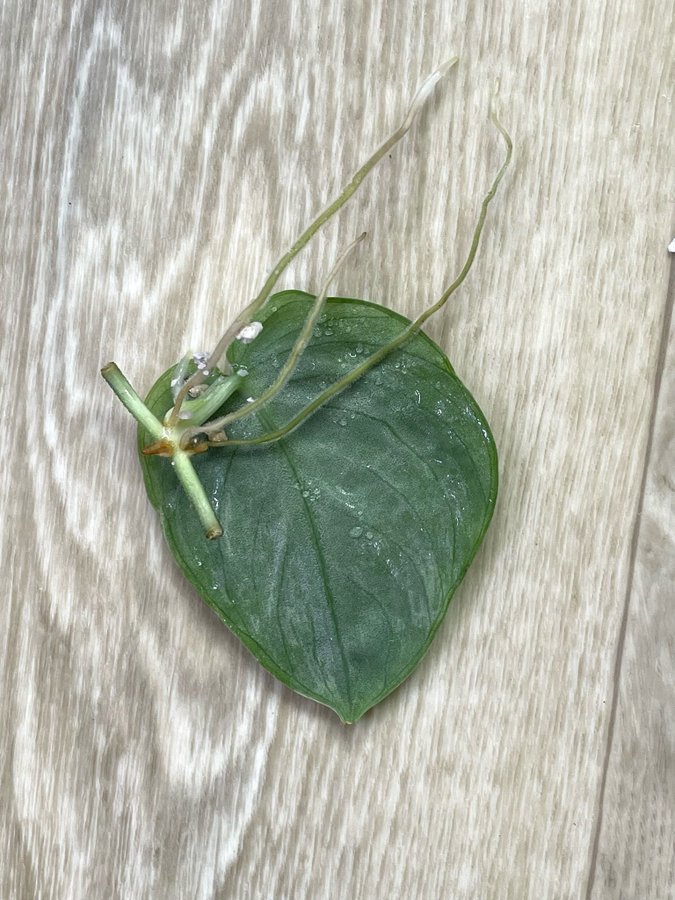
343	542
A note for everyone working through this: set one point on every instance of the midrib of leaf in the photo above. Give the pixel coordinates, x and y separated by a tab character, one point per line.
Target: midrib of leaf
268	423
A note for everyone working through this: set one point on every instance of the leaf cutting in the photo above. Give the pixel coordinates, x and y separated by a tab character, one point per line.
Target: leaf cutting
323	478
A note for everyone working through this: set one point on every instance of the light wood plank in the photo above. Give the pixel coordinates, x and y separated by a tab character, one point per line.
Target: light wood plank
636	848
156	162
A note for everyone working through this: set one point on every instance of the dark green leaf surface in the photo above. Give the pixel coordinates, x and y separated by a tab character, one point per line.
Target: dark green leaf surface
344	542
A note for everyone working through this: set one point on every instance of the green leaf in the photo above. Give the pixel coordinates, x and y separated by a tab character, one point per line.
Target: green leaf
344	542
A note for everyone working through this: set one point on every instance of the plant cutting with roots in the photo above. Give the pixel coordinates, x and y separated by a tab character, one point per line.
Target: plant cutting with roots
358	526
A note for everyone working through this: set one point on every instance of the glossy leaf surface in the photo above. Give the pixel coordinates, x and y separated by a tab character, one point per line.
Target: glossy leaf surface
344	542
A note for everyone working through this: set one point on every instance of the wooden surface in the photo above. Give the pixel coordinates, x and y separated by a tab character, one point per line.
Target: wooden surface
154	164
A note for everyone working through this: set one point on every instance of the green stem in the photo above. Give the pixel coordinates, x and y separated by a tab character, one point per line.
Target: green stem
179	458
132	401
212	399
187	476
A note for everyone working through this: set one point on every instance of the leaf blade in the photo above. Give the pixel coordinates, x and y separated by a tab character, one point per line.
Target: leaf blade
341	606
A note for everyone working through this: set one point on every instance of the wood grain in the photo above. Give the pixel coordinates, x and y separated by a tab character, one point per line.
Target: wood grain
156	162
636	827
